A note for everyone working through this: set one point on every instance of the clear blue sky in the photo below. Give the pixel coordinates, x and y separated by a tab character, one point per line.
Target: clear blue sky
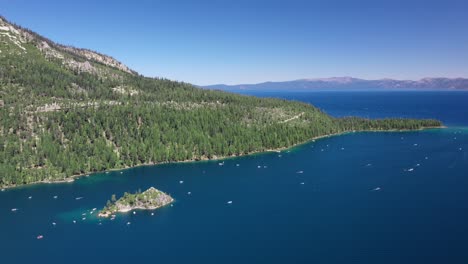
208	42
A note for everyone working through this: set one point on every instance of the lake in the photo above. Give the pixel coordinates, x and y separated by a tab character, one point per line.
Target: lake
397	197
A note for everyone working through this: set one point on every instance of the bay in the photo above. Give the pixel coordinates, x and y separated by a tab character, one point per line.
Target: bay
361	197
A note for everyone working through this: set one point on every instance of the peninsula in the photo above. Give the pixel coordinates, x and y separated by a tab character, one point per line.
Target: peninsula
148	200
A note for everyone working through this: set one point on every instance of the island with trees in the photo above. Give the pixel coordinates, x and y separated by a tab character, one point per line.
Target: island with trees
148	200
66	112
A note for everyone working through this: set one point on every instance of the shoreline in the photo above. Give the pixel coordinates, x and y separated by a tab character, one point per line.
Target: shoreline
72	178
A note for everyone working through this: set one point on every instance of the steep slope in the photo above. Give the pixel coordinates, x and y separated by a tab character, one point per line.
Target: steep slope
66	111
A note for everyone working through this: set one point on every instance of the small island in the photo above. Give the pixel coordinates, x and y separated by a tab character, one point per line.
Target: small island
148	200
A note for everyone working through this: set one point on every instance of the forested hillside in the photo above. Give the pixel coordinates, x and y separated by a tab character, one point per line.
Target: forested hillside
66	111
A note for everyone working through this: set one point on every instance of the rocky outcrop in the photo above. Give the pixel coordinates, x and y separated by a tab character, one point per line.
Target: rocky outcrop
74	58
148	200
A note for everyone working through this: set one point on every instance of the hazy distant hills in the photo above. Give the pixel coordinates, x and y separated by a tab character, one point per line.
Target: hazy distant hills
349	83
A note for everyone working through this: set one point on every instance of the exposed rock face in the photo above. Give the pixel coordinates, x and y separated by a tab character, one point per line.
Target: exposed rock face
104	59
74	58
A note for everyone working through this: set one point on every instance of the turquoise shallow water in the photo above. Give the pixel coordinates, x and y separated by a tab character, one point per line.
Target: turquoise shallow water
362	198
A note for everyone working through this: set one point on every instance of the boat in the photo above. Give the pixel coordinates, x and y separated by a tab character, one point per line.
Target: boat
30	197
55	197
189	193
376	189
54	224
302	183
14	209
181	182
74	221
128	223
152	213
300	172
229	202
78	198
40	237
411	169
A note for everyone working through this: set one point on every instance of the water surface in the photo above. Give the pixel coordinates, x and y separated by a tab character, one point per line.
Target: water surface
362	198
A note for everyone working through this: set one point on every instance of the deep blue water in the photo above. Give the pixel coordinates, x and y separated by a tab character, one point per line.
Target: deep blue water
338	214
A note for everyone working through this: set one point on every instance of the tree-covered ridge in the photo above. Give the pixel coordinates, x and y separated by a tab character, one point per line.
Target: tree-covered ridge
150	199
57	121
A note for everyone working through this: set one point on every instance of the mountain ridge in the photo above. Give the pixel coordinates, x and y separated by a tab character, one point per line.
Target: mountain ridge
350	83
52	50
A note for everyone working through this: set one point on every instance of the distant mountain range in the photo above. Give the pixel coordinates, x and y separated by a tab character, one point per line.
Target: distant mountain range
349	83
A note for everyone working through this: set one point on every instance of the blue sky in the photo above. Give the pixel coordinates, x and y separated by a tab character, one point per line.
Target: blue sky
208	42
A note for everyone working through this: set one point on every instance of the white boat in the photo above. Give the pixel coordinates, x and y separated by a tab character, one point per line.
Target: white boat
134	212
300	172
78	198
14	209
302	183
152	213
128	223
55	197
411	169
189	193
181	182
74	221
54	224
229	202
376	189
